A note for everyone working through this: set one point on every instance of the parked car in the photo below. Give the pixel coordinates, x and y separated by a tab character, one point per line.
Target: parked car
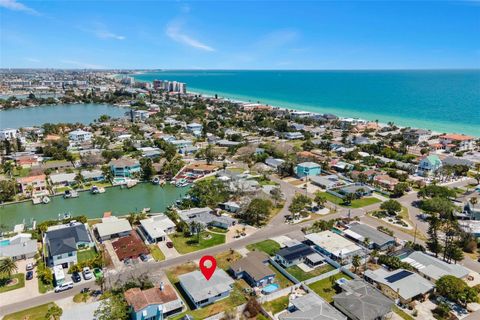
87	274
64	286
29	275
143	257
29	266
76	277
169	244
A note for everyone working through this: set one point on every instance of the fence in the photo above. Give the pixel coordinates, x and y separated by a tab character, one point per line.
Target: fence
284	272
322	276
279	293
220	315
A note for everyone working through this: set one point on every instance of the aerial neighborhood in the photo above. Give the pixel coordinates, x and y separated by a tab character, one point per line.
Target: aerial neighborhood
309	216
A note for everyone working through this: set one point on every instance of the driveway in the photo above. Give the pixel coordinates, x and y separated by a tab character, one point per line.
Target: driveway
168	252
29	291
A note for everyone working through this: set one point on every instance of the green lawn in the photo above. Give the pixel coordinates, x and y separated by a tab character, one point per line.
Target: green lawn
20	284
225	259
157	254
268	246
357	203
189	244
277	305
87	254
282	281
235	299
43	288
402	313
218	230
325	289
36	313
301	275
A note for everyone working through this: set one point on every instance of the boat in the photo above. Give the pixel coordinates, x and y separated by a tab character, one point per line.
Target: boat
45	200
64	216
145	210
182	183
36	200
97	190
131	183
70	194
156	180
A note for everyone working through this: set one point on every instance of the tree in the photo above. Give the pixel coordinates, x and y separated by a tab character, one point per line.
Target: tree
209	154
299	203
54	312
196	228
400	189
276	195
258	211
320	199
107	173
209	193
8	267
456	289
356	262
7	190
349	197
8	168
253	307
433	242
113	308
392	207
147	168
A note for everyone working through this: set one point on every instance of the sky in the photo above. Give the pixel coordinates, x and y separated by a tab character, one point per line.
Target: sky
240	34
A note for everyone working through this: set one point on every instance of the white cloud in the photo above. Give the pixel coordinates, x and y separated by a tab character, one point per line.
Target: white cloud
174	31
35	60
79	64
101	32
17	6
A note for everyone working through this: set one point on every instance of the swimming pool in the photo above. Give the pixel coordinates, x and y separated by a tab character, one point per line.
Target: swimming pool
4	243
270	288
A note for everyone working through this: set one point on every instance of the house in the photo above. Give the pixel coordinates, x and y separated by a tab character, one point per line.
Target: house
33	185
8	134
385	181
202	292
357	189
360	301
62	179
296	254
138	115
93	175
26	161
293	135
400	284
129	247
227	143
358	232
230	206
455	161
63	242
156	228
429	165
432	268
415	136
195	128
20	246
156	303
124	167
308	169
310	307
274	163
206	217
79	136
253	269
113	227
458	142
335	246
327	182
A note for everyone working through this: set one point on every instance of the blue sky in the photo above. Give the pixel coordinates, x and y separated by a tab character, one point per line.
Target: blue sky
240	34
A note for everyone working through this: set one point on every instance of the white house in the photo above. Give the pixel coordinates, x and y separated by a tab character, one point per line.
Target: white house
79	136
113	227
157	227
8	134
460	141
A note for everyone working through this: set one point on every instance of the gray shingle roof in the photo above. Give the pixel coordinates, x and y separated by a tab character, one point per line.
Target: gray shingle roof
311	307
372	234
200	288
363	301
65	239
433	267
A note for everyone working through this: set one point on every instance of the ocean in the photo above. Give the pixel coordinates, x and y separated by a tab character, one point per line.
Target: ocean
440	100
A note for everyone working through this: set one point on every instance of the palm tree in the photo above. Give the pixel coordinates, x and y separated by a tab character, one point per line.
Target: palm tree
473	201
356	262
8	169
8	267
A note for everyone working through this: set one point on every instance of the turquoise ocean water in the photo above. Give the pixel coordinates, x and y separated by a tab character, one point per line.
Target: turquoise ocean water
441	100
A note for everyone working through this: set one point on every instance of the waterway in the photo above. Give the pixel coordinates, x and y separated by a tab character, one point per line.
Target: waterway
60	113
117	200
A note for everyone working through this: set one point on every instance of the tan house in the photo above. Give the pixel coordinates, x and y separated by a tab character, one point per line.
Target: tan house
36	185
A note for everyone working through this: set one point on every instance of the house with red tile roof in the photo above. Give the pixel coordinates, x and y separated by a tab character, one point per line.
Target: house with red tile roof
458	142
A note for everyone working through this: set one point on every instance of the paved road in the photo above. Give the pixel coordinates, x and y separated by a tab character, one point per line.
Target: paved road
46	298
275	228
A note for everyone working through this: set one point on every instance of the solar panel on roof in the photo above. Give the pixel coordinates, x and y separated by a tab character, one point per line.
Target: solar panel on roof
398	276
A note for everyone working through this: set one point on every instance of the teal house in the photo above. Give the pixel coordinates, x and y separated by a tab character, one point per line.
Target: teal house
429	165
308	169
124	167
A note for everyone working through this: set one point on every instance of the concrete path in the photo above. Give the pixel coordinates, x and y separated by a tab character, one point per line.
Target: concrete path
168	252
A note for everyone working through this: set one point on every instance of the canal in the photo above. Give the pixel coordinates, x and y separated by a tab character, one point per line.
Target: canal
60	113
117	200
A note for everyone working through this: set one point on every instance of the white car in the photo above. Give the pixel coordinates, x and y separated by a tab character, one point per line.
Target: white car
29	266
87	274
64	286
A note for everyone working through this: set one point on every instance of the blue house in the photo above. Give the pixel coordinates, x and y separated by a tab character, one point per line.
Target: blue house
253	269
124	167
308	169
156	303
429	165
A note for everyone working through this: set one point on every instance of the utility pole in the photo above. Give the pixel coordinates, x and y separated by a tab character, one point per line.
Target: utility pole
415	235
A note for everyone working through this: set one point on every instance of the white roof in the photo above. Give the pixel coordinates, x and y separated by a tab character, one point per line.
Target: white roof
333	243
156	226
112	225
62	177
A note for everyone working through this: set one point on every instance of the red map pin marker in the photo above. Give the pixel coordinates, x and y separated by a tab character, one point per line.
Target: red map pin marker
208	264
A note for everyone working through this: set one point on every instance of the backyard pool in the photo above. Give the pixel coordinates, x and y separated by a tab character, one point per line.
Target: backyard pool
4	243
270	288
